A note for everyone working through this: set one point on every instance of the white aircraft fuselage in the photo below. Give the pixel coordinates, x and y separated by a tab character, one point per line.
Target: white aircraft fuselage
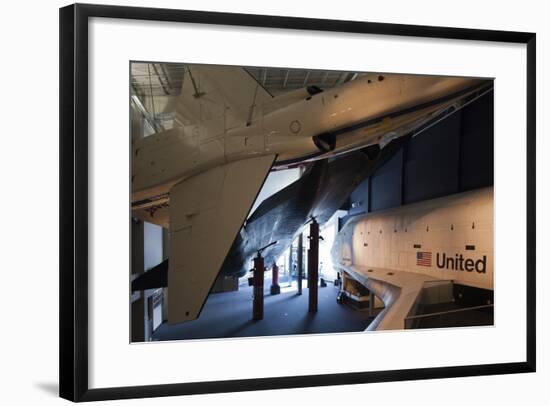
397	252
293	132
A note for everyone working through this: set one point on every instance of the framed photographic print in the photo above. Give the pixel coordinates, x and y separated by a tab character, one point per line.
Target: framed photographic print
239	191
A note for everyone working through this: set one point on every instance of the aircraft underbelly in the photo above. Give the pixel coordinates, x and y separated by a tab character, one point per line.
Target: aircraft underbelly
321	190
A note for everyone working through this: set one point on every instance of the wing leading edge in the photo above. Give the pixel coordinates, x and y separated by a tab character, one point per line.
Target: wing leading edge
206	213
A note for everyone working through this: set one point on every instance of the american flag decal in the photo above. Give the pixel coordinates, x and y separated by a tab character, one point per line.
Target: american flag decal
424	258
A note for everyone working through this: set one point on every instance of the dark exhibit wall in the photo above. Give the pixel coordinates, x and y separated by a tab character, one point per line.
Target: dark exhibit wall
430	162
476	148
381	195
453	156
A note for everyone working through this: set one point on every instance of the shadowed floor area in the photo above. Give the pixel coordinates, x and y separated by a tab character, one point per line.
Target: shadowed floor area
229	314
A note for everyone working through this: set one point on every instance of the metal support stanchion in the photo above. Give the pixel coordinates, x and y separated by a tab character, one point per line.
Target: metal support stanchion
313	265
300	260
258	283
275	288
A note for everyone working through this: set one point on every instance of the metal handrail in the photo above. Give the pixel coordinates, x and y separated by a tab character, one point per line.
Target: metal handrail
419	316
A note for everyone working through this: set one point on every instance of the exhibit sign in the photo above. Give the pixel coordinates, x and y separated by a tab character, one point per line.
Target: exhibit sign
203	186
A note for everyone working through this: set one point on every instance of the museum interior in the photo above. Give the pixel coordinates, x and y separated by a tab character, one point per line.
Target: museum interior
398	237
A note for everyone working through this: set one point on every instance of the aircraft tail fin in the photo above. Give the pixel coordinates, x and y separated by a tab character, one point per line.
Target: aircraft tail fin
206	213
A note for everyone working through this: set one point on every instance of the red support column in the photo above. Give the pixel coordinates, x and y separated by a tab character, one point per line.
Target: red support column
300	259
275	288
258	283
313	265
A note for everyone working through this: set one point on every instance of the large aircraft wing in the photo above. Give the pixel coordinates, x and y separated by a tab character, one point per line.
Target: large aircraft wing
206	213
219	98
321	190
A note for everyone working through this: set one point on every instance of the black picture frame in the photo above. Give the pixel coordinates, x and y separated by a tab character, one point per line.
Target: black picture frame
73	278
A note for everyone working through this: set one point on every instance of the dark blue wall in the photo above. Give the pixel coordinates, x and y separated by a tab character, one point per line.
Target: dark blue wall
476	147
386	184
431	162
360	198
453	156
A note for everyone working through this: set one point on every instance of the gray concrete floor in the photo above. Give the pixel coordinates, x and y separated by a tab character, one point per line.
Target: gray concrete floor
229	314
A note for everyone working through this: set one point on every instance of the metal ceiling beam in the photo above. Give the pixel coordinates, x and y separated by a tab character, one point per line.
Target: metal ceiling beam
286	78
166	91
146	115
306	78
